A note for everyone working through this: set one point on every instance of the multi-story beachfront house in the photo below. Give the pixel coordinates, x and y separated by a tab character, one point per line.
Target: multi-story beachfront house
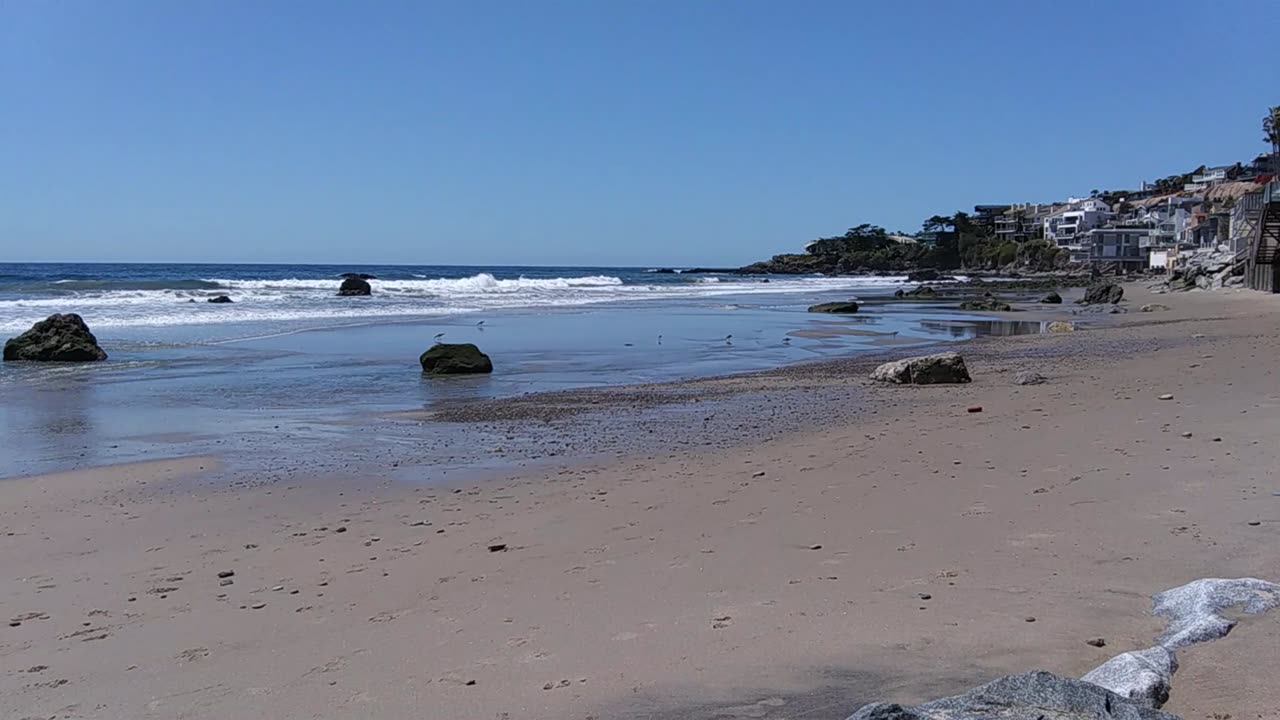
1023	222
1122	246
984	216
1067	227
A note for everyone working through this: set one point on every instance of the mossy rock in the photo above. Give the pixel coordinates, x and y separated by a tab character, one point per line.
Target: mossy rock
455	359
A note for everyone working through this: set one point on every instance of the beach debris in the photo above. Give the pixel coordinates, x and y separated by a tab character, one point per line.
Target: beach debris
758	474
1255	523
355	286
340	529
1052	298
1144	676
1060	326
1186	434
258	605
1028	377
226	573
1165	396
835	307
1154	307
815	547
924	596
973	409
1103	293
1096	642
1030	696
498	547
57	338
945	367
220	300
225	582
1029	619
455	359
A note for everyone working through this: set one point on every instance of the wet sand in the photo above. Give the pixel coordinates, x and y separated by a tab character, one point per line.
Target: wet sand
769	557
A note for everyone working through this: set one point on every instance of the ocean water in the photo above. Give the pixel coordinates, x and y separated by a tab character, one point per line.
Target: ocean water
290	361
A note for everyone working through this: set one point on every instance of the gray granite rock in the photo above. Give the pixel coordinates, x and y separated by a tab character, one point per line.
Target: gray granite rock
945	367
1194	610
1145	676
1028	377
1030	696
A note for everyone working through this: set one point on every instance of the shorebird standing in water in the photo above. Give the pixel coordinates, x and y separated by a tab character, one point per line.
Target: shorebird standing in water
659	339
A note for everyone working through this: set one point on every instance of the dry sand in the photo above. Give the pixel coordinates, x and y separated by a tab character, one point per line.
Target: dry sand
782	578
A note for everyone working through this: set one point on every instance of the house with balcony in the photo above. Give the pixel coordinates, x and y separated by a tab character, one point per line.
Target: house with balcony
1068	226
1023	222
1125	248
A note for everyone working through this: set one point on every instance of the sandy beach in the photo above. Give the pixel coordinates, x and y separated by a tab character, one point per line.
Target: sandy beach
893	546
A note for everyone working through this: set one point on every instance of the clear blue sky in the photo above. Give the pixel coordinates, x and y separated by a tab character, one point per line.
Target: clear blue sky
594	131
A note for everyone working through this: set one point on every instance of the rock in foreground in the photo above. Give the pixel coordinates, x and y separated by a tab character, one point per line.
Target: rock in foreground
1030	696
57	338
455	359
355	287
1053	298
945	367
219	300
1102	293
1059	326
835	307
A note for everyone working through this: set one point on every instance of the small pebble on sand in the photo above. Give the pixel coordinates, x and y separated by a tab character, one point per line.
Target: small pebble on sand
1097	642
1166	396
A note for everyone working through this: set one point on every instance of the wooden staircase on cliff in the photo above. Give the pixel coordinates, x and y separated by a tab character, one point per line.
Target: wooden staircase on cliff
1263	272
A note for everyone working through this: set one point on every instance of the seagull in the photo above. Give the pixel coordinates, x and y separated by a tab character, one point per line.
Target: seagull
659	339
786	339
480	324
728	339
438	336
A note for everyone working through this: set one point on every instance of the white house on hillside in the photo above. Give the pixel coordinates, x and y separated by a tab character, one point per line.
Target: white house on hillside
1067	227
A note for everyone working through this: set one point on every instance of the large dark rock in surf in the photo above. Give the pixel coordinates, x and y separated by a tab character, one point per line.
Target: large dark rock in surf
925	275
945	367
1102	293
455	359
57	338
355	287
219	300
986	304
922	292
1030	696
1053	298
841	308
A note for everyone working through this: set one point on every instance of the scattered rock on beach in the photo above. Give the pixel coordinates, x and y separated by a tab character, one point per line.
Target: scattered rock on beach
1102	293
1154	307
924	275
355	287
57	338
455	359
220	300
1059	326
1028	377
986	304
1096	642
945	367
1052	298
1030	696
835	307
1144	676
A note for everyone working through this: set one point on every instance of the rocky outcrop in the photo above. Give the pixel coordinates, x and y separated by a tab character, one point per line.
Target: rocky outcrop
455	359
219	300
355	287
1030	696
1102	293
945	367
57	338
921	292
835	307
986	304
1053	298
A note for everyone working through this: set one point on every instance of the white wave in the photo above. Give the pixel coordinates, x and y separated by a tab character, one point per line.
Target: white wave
312	299
482	283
